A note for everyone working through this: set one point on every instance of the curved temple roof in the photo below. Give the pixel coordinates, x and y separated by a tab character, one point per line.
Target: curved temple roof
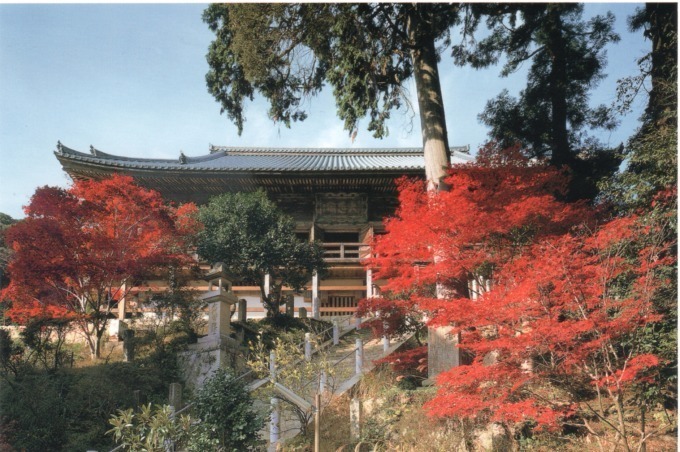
277	170
259	160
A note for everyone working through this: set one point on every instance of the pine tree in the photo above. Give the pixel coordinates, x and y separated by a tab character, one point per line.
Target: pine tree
552	116
365	52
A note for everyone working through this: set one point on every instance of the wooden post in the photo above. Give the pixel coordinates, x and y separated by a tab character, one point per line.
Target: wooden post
317	424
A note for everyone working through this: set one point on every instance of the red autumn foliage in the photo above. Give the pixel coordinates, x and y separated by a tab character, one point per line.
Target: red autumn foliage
413	360
530	282
81	249
392	317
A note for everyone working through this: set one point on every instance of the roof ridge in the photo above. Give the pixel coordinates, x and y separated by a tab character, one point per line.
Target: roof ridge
242	150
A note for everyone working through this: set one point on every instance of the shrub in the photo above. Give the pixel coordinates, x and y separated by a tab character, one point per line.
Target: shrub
227	416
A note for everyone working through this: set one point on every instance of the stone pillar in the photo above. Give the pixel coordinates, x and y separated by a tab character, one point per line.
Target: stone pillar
359	363
242	310
128	346
308	346
219	319
290	305
355	419
316	312
336	332
175	396
442	350
386	343
302	313
274	424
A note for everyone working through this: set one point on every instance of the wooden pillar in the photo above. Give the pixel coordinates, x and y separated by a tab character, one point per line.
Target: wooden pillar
369	283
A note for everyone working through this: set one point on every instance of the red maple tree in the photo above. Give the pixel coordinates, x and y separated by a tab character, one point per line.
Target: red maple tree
543	292
80	250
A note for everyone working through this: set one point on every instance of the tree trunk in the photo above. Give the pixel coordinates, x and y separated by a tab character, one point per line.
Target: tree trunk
663	28
558	89
430	102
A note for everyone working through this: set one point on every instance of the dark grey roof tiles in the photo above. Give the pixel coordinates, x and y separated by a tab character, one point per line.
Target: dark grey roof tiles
235	159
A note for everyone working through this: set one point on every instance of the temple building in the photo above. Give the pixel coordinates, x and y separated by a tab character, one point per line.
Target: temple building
337	196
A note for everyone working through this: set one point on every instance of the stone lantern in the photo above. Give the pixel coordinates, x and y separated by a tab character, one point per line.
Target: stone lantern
220	299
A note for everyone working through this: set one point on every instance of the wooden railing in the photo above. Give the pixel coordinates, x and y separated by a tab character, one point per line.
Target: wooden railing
345	252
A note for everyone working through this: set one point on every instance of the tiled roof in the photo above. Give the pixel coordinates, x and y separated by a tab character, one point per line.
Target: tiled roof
236	159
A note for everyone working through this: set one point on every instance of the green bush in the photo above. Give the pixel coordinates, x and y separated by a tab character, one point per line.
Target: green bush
69	409
227	416
151	429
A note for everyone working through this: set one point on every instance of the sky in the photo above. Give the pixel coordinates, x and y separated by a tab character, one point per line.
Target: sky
129	79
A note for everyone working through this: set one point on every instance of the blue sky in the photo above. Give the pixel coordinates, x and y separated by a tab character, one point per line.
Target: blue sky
129	80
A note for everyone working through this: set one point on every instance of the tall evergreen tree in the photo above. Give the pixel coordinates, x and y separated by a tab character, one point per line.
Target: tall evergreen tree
552	116
365	52
652	152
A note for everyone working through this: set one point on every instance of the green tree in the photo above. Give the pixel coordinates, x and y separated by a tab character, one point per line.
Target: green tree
552	116
253	238
365	52
5	222
648	185
651	154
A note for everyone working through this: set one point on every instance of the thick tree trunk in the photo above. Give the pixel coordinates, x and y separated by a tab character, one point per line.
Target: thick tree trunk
663	28
561	154
430	102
